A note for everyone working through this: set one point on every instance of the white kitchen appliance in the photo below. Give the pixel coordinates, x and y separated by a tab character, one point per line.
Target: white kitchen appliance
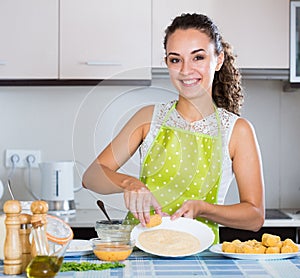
294	42
1	189
58	186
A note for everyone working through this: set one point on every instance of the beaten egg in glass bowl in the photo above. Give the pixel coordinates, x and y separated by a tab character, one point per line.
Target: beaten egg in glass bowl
112	250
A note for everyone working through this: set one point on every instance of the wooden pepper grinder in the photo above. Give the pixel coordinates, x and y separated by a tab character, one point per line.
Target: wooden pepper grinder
39	211
25	230
12	244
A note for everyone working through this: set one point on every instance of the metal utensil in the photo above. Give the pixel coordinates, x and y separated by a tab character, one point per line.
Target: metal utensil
102	207
9	189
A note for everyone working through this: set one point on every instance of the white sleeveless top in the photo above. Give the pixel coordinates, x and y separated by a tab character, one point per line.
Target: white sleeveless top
207	125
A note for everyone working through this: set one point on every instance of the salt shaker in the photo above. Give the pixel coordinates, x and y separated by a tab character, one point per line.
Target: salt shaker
12	244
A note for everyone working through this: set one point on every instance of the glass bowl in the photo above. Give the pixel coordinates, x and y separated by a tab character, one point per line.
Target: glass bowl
117	230
112	250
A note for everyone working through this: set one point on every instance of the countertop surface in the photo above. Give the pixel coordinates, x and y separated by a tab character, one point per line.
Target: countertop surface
86	218
205	264
294	220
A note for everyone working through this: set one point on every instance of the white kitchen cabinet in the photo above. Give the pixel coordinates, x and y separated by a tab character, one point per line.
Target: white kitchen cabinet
257	30
29	41
75	39
105	39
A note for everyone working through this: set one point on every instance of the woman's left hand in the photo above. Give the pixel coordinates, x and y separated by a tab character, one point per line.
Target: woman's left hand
189	209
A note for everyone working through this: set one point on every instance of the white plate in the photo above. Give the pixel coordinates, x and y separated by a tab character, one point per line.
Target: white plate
79	247
217	248
193	227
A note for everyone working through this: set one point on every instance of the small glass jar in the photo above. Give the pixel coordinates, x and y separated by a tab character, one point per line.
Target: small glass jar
116	230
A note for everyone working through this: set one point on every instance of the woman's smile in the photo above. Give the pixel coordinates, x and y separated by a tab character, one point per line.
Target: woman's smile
190	82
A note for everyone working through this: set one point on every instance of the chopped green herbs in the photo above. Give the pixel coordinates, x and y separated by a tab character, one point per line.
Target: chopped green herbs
85	266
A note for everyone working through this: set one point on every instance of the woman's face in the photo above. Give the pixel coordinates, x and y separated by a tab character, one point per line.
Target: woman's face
192	62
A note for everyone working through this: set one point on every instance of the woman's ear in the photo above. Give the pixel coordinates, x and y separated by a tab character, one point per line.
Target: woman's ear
220	61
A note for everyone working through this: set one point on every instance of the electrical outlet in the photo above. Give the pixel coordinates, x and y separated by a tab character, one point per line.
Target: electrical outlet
22	158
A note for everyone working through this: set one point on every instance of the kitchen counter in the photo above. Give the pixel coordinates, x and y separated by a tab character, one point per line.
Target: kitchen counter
87	218
294	220
83	223
205	264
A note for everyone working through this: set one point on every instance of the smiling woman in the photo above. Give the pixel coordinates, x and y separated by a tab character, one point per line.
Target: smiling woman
192	147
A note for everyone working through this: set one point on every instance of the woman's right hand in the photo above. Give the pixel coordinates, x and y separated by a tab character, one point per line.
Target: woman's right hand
139	200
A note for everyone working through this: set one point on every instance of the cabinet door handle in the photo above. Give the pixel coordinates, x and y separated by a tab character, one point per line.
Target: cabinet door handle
2	63
100	63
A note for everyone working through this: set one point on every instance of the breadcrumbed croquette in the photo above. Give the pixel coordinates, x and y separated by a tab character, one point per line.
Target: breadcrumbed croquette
270	244
269	240
155	220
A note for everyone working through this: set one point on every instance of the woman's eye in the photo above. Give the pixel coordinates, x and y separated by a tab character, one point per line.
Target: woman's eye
173	60
198	57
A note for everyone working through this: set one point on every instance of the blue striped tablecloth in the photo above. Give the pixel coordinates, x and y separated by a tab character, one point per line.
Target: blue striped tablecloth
205	264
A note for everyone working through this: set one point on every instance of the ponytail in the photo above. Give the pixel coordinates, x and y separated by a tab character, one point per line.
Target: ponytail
227	89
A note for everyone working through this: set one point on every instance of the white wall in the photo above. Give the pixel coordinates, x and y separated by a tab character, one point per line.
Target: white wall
275	115
72	123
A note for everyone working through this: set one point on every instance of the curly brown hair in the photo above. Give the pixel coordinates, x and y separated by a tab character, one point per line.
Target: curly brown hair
226	89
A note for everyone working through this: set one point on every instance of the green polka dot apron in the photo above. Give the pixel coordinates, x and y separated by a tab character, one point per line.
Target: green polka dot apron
182	165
